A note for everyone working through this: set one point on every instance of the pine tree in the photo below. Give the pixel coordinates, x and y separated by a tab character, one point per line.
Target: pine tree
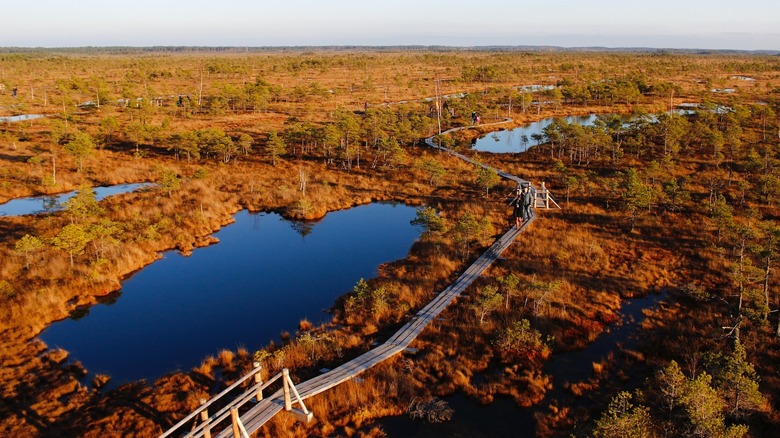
275	146
738	382
623	419
27	246
72	239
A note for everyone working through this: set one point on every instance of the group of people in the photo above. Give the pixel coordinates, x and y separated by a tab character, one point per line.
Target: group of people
522	204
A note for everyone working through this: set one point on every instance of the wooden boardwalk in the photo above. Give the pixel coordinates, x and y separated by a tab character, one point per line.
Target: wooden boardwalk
264	410
430	143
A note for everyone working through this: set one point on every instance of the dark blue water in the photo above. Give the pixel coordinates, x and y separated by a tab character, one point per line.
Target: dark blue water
519	139
51	203
262	278
469	420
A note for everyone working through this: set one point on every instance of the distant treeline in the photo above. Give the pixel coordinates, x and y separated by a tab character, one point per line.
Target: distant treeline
261	49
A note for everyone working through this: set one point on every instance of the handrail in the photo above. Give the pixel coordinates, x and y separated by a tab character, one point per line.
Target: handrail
186	419
223	413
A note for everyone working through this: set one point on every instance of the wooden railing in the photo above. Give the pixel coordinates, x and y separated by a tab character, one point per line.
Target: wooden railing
254	394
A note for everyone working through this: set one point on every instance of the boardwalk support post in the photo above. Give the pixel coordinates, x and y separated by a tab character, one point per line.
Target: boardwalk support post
235	420
204	418
288	387
258	381
238	427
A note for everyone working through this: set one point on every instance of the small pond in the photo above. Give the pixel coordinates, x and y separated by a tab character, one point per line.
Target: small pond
264	276
21	118
51	203
503	418
520	139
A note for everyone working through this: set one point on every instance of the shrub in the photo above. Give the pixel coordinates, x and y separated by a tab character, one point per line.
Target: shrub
200	173
434	410
367	303
520	339
6	289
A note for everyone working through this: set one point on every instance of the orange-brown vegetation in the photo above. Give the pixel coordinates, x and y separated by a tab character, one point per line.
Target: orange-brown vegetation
573	267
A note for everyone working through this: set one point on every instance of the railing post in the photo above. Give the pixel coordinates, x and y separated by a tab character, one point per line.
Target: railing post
546	196
258	380
235	420
204	417
286	386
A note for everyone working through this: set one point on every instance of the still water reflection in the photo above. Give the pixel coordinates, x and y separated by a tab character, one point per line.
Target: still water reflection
52	203
262	278
521	138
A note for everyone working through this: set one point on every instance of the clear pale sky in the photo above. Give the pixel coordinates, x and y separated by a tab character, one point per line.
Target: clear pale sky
706	24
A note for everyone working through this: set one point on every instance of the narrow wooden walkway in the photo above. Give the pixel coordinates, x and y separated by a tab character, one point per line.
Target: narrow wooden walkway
429	141
265	409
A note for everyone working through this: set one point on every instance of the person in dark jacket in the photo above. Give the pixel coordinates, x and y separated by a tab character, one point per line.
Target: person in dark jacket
517	207
527	202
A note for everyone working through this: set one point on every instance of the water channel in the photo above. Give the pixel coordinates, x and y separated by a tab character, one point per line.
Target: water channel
503	418
264	276
52	203
20	118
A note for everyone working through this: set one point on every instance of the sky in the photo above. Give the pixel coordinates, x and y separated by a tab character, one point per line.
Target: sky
676	24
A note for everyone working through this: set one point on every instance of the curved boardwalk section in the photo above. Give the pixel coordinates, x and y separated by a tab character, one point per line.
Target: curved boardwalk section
264	410
430	143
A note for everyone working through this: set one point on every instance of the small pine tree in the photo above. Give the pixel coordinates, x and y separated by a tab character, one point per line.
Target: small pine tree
703	407
169	181
489	300
670	383
275	147
487	178
27	246
738	381
73	239
83	205
80	147
428	219
623	419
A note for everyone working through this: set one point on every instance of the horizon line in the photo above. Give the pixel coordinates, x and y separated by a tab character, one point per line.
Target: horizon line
489	47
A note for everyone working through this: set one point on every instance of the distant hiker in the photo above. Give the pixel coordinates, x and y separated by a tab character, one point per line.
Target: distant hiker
517	207
13	92
447	109
527	202
474	117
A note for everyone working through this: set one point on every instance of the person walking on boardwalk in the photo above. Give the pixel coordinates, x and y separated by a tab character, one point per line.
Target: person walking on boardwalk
517	207
527	202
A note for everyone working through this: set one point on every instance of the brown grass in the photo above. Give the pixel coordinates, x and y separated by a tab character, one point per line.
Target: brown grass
586	247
